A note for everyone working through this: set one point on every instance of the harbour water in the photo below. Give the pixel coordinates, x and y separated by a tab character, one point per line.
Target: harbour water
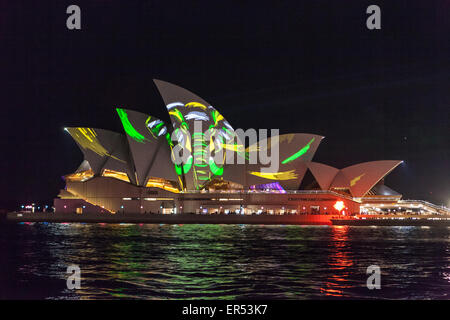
148	261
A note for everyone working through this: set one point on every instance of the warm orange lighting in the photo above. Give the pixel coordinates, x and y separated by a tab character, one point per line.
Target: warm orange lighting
339	205
79	176
116	174
162	184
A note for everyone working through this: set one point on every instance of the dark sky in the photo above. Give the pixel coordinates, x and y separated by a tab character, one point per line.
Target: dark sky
300	66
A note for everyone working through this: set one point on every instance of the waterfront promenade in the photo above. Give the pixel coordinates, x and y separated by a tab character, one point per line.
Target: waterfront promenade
184	218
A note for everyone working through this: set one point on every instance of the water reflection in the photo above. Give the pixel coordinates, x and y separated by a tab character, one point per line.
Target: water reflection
222	261
339	261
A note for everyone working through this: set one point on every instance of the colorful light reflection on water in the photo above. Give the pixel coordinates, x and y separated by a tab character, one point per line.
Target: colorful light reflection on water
222	261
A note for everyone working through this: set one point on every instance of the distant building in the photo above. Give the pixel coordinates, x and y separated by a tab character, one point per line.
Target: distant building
134	172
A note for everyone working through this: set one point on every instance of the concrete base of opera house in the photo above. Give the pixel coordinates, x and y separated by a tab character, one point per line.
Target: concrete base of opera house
184	218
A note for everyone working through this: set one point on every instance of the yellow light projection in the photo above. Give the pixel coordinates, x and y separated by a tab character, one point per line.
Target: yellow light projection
80	176
233	147
285	175
253	148
355	180
162	184
180	182
286	137
177	114
87	139
216	117
116	174
195	105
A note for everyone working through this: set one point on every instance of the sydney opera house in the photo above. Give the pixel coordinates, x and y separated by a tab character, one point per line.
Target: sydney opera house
135	172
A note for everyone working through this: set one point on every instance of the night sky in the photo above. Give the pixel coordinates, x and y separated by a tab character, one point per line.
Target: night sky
300	66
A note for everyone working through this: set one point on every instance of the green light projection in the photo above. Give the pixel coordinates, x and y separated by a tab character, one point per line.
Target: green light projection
129	129
177	114
200	167
216	117
299	153
200	154
180	169
217	171
169	140
155	127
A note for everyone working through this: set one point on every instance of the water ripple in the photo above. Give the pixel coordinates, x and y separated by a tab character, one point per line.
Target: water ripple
223	261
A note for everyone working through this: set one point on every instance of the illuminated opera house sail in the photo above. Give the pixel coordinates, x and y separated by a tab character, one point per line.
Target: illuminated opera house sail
136	171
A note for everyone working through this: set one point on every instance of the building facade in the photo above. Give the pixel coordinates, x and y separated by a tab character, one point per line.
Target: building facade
137	171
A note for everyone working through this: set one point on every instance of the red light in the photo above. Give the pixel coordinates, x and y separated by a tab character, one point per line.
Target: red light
339	205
